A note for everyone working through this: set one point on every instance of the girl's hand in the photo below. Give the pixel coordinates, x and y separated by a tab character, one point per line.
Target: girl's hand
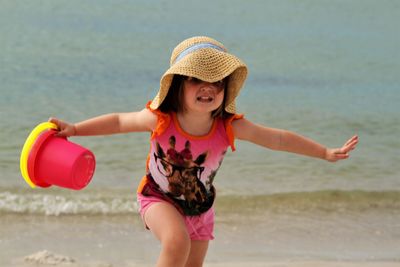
64	128
335	154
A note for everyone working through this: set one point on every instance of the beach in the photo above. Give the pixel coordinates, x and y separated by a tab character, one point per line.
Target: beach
230	264
325	70
268	237
46	258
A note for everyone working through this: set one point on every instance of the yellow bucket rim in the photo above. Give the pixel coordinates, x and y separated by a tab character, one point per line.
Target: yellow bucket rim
23	162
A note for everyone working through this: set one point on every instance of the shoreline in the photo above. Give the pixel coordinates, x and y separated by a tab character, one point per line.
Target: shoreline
274	241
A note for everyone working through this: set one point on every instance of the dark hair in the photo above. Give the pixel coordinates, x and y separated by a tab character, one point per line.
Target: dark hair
174	99
173	102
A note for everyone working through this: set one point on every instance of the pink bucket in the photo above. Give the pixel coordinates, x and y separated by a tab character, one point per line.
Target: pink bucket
56	161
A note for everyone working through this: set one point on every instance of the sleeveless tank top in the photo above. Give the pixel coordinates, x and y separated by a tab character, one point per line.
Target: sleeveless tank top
181	167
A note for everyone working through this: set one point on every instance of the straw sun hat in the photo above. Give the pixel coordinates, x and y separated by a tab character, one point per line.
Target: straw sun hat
208	60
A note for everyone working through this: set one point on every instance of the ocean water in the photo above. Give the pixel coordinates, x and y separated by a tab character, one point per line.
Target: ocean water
325	69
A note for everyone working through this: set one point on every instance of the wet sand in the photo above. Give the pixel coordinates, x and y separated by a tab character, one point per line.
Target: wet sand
47	258
110	241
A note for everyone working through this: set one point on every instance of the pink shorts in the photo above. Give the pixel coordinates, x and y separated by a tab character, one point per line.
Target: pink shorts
199	227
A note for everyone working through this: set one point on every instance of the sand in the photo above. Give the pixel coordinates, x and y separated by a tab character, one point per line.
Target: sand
48	258
113	241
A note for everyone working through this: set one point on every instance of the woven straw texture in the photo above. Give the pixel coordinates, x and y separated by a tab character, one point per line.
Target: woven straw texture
207	64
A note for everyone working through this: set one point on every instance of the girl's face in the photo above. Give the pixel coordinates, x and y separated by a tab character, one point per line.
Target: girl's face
200	96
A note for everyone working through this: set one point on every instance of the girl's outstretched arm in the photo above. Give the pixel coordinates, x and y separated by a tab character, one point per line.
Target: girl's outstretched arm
113	123
283	140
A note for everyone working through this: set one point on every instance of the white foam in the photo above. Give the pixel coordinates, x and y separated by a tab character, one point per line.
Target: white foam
50	204
49	258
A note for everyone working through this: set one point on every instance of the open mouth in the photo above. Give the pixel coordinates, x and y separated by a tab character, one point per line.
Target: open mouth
205	99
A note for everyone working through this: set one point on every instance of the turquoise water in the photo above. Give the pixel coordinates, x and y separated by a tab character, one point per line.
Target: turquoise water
325	69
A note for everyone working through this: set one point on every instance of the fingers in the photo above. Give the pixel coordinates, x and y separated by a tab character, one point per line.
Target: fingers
352	140
350	144
53	120
338	156
343	152
63	127
57	122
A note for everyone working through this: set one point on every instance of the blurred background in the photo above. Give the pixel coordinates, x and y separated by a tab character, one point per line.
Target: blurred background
325	69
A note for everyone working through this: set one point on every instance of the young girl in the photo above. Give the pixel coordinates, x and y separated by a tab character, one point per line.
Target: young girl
192	122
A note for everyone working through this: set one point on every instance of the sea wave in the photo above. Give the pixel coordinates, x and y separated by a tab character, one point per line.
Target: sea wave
121	203
315	201
79	204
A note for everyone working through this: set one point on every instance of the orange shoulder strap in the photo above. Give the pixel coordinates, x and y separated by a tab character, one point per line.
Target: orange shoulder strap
163	121
229	129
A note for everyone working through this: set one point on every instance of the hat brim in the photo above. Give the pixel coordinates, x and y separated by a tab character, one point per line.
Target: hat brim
216	66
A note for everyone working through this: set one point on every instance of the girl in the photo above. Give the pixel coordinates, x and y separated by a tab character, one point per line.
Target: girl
193	121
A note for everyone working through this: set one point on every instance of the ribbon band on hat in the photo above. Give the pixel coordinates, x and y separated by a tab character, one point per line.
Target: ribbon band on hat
197	47
208	60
